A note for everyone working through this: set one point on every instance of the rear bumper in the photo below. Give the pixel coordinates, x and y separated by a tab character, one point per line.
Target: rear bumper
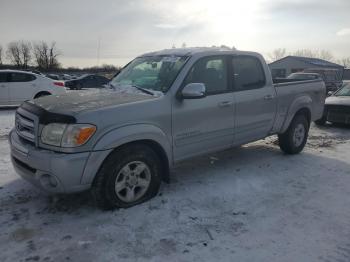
52	172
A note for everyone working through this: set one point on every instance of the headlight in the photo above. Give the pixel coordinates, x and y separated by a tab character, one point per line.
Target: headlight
64	135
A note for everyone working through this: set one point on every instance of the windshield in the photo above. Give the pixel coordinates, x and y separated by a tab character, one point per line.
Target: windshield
156	73
345	91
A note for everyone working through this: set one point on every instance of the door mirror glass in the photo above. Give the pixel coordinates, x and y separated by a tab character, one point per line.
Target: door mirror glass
330	93
193	91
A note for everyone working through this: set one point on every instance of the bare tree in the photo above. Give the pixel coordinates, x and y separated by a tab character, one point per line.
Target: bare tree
40	51
326	55
53	54
46	57
305	53
322	54
345	62
26	53
1	51
277	54
19	53
13	53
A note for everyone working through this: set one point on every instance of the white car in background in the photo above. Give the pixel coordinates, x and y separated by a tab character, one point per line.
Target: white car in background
18	86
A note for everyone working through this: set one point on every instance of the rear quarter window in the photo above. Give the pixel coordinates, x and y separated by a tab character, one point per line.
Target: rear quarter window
21	77
3	77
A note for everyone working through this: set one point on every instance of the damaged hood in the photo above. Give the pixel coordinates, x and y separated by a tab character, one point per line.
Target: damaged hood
75	101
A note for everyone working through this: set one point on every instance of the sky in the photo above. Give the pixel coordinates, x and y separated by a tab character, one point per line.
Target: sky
124	29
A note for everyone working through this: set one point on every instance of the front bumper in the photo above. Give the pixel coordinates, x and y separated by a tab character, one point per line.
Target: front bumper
52	172
338	114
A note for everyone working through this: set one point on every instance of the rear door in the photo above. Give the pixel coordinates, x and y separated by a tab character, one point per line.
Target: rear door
90	82
205	124
255	100
22	87
4	90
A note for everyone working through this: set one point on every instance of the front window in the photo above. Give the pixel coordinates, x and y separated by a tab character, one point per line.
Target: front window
155	73
345	91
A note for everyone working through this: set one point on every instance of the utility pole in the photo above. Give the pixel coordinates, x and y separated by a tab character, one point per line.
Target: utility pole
98	51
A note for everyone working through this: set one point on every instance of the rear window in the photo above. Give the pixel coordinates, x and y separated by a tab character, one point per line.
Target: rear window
3	77
248	73
22	77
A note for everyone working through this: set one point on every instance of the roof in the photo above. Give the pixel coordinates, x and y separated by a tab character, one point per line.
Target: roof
312	61
188	51
17	71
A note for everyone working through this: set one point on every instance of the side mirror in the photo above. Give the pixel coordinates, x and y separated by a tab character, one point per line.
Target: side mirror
193	91
330	93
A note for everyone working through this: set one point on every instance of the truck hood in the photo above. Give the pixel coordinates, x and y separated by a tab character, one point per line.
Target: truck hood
75	101
338	100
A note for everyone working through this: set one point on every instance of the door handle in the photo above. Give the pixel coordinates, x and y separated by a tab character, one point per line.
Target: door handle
2	86
269	97
225	103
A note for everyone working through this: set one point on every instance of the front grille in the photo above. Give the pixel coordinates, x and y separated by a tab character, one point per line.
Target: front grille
338	109
338	113
25	127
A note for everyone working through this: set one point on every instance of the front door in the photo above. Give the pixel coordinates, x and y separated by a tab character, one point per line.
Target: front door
255	100
205	124
4	90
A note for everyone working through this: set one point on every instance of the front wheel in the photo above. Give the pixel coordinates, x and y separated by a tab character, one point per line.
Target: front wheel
128	177
294	139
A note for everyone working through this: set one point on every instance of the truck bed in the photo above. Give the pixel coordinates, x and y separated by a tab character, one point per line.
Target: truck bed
290	91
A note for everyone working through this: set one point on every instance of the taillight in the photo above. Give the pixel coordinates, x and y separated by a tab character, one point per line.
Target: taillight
58	83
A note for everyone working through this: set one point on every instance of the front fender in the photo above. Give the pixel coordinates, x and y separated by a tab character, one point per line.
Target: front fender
118	137
132	133
299	103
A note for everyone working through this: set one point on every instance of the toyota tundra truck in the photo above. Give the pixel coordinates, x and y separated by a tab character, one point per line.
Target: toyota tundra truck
162	108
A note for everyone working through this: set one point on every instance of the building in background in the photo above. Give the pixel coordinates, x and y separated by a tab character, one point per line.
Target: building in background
292	64
346	75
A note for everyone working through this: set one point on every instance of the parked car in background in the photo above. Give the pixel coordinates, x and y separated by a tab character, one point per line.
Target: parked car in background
87	81
337	107
53	76
304	76
18	86
166	107
332	77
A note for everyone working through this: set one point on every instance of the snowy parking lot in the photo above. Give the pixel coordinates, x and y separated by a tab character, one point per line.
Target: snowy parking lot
251	203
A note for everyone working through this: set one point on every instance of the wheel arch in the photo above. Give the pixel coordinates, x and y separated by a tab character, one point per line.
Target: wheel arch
41	93
301	105
116	139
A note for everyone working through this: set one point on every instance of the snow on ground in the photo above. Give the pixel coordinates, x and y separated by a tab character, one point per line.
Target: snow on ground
246	204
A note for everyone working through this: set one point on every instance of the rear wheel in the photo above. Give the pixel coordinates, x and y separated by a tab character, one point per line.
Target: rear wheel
128	177
294	139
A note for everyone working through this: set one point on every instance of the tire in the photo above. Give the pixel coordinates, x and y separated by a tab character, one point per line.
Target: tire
118	177
79	86
294	139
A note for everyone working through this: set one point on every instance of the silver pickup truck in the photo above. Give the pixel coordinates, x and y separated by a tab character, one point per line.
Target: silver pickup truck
163	107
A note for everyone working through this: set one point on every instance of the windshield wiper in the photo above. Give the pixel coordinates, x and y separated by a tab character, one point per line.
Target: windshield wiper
147	91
